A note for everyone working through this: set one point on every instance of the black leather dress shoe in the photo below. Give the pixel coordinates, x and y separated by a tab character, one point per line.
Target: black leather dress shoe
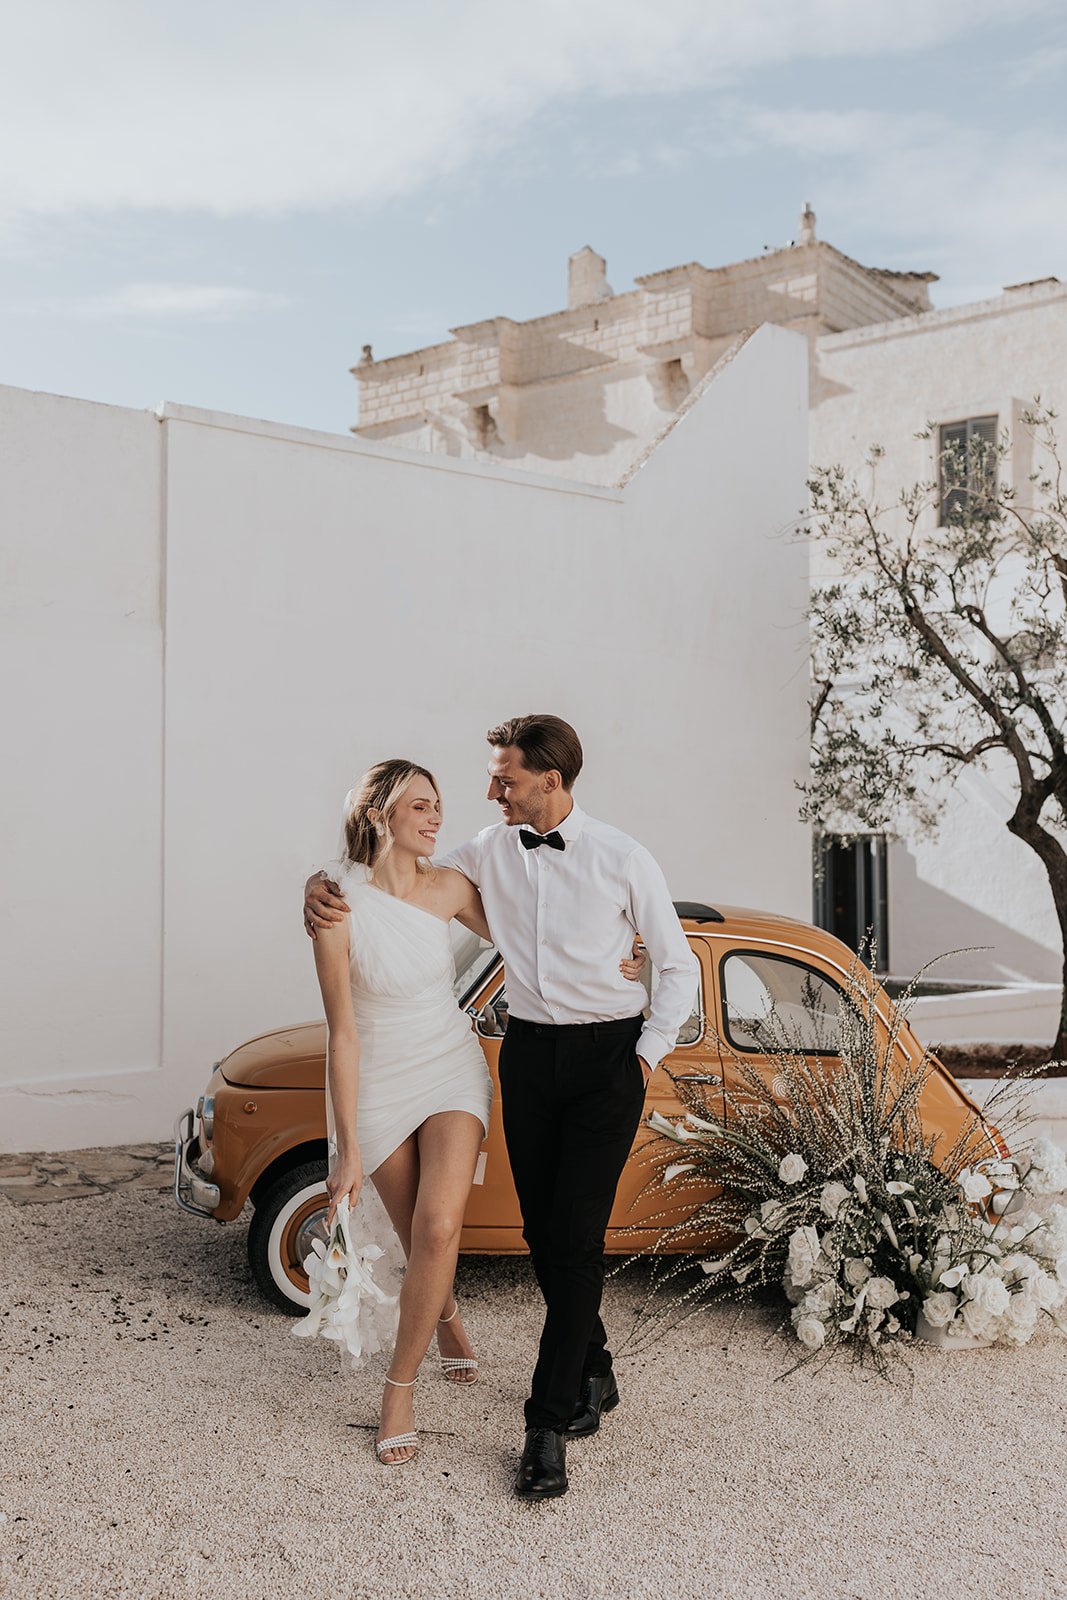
543	1469
599	1393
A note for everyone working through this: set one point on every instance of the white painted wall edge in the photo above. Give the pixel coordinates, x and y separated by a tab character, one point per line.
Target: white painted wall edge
1022	1014
464	466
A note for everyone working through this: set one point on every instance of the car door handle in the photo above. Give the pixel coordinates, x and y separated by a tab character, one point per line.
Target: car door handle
697	1077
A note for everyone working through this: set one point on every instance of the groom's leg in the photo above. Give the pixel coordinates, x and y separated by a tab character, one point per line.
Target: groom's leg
599	1103
531	1131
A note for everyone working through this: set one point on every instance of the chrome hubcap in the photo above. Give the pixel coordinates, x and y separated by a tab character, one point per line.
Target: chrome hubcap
312	1227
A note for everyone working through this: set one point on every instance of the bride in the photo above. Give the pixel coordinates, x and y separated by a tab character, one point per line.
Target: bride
408	1091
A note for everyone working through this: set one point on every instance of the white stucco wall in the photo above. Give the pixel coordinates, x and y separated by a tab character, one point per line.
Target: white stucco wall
328	602
81	831
971	883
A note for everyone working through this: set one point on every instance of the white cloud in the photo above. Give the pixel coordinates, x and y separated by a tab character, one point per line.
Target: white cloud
242	108
191	301
956	192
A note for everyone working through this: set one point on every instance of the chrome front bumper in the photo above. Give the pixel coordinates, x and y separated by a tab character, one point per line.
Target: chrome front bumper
191	1191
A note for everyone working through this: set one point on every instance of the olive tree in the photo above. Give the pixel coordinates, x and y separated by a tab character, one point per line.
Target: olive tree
939	642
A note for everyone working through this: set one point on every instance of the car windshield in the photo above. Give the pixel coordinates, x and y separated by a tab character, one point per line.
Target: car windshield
474	959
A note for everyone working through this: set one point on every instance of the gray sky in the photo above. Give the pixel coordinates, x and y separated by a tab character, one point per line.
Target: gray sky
220	203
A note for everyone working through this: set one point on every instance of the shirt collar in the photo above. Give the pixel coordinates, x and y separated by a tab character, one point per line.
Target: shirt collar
569	828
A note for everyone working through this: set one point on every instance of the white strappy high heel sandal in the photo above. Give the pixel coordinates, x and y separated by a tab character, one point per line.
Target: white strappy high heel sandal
451	1364
399	1441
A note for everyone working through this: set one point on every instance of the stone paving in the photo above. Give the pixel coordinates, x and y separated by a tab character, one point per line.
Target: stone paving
36	1177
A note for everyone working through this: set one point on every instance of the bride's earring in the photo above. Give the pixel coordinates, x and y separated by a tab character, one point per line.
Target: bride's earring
379	828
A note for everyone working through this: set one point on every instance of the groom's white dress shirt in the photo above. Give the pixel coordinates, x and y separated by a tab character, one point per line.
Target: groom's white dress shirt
564	919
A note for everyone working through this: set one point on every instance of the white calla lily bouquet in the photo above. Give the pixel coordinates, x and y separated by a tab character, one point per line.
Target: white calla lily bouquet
824	1188
350	1302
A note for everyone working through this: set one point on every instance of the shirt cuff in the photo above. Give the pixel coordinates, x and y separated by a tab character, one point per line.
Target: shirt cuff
652	1047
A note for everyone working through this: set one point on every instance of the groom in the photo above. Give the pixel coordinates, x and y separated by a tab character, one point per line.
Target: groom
563	896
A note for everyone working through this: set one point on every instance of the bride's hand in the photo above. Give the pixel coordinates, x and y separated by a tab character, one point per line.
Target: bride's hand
345	1179
633	965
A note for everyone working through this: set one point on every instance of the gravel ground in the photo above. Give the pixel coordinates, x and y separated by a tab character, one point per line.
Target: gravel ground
165	1437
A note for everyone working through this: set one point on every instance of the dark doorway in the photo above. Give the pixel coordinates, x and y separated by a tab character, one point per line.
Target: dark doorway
850	891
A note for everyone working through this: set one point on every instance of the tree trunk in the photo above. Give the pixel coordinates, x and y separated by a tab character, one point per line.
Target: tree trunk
1054	860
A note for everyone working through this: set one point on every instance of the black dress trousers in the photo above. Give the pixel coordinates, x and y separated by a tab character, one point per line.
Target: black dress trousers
571	1098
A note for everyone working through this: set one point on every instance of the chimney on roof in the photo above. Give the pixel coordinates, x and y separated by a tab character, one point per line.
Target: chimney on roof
806	225
587	280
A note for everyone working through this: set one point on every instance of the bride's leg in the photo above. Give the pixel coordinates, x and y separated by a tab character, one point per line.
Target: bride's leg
397	1183
448	1152
424	1186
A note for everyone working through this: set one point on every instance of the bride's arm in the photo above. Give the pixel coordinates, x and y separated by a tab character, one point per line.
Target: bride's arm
463	902
342	1060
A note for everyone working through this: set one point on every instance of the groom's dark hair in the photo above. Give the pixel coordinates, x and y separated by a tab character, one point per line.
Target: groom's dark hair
548	744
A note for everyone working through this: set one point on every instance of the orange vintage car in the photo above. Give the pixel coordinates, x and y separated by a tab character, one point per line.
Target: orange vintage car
258	1134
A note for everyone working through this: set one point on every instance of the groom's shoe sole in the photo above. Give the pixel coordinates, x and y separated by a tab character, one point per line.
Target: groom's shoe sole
586	1421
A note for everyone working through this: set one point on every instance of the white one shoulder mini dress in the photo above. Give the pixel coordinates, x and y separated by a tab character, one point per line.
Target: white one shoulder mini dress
417	1053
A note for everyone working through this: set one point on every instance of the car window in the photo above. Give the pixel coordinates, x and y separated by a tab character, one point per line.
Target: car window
492	1020
474	959
776	1002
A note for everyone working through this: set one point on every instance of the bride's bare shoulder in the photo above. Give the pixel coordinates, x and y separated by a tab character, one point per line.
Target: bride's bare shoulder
450	888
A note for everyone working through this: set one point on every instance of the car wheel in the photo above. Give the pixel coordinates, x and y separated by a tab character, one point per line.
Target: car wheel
289	1214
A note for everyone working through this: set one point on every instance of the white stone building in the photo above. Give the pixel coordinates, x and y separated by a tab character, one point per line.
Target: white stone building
581	393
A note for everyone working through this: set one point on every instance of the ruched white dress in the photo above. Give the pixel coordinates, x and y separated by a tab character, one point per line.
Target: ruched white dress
417	1056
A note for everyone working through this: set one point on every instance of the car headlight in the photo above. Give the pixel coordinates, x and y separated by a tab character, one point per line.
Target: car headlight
205	1110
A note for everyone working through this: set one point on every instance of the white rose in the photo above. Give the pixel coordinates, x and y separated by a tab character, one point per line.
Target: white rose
976	1319
803	1254
1020	1319
1043	1153
987	1290
811	1332
882	1292
1018	1266
856	1271
1043	1290
939	1309
832	1198
975	1185
792	1168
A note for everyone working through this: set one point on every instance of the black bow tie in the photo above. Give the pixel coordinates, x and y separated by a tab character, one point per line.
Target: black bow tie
533	841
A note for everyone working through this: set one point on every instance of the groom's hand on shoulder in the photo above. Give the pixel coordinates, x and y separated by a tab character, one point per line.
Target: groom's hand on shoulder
323	904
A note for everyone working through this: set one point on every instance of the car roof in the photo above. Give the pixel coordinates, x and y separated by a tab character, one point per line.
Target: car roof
738	924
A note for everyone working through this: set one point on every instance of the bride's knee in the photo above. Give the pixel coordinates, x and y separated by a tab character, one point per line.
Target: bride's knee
437	1235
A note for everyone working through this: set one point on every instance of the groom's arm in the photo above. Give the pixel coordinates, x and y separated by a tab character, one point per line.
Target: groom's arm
654	916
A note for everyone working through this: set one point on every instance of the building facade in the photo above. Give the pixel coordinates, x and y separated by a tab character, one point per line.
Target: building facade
582	392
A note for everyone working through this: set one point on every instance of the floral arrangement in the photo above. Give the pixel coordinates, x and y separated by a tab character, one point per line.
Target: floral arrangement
348	1304
824	1187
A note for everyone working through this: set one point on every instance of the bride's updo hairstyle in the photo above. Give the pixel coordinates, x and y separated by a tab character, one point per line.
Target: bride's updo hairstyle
368	842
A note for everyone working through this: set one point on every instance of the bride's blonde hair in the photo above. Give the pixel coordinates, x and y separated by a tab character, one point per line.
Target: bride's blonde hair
368	843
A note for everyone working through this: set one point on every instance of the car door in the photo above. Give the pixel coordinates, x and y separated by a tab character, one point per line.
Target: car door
643	1211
